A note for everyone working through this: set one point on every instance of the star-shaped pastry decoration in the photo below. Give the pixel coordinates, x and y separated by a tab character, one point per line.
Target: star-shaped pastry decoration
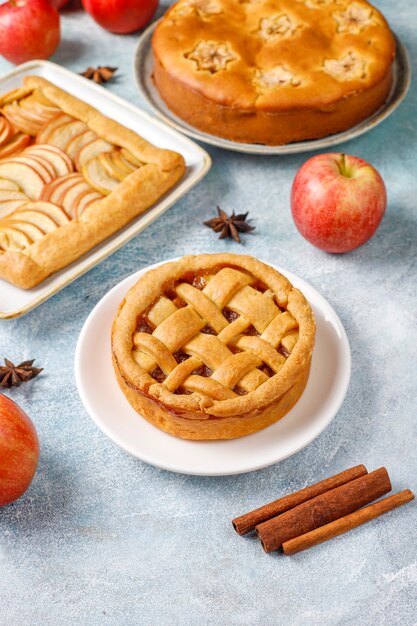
202	7
272	28
277	76
211	55
349	67
354	20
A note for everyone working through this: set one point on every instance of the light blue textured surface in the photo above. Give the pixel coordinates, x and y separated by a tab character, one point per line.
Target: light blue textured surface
101	538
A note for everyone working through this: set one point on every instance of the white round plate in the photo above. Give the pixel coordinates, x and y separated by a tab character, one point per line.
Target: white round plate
143	68
107	406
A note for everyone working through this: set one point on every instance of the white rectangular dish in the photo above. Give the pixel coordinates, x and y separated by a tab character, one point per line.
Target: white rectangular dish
14	301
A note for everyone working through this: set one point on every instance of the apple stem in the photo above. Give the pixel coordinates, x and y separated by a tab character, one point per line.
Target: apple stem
343	169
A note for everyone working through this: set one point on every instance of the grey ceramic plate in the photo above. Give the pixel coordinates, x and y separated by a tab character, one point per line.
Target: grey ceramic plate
143	64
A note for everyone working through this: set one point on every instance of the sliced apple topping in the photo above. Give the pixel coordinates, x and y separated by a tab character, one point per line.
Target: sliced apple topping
131	158
51	126
97	177
15	145
123	163
56	213
90	151
25	176
62	135
45	163
6	130
33	216
34	164
54	191
31	230
38	110
73	194
8	184
74	146
11	194
113	167
29	224
84	202
8	206
59	161
11	238
18	118
29	116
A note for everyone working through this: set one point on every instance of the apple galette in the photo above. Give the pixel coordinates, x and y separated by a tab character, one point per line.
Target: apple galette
69	178
273	71
213	346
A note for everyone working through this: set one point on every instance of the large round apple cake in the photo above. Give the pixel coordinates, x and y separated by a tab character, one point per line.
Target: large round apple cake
213	346
273	71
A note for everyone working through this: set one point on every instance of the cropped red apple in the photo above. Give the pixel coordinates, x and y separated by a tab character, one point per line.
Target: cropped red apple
29	29
337	201
19	451
121	16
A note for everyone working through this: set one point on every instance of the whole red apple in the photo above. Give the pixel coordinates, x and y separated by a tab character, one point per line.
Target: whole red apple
121	16
337	201
29	29
19	451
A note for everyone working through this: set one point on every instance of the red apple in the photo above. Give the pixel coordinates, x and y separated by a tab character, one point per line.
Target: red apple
121	16
29	29
337	201
19	451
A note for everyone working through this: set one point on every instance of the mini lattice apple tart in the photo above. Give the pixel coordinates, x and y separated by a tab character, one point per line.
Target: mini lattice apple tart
213	346
69	178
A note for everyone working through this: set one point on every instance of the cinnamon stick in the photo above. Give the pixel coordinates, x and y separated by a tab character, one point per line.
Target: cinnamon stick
323	509
246	523
344	524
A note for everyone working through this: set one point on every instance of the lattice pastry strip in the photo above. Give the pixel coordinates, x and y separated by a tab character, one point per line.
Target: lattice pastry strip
179	328
259	308
224	369
232	370
209	349
278	327
209	387
222	287
203	305
262	349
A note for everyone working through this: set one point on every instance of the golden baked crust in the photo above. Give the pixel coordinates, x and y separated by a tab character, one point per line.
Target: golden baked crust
150	173
213	346
269	71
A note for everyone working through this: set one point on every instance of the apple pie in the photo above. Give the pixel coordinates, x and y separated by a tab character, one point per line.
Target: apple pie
69	178
213	346
273	71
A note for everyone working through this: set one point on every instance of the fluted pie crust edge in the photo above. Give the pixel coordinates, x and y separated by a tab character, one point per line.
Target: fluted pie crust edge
197	416
141	189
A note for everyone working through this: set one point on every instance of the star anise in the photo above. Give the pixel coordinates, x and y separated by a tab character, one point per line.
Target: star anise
229	225
12	375
99	74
